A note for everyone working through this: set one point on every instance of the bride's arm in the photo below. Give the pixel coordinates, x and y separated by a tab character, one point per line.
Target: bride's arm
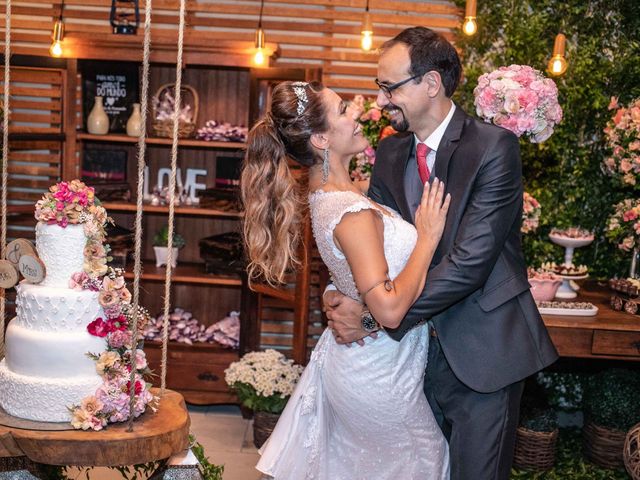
360	236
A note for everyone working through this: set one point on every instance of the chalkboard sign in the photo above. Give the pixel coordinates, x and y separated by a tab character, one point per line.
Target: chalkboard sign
117	83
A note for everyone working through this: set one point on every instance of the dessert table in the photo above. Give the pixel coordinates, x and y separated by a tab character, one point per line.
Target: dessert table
607	335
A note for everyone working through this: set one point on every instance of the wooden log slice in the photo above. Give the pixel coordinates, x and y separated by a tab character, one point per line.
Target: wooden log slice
155	436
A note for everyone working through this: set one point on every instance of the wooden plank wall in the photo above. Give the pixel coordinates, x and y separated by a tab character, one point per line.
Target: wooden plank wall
317	33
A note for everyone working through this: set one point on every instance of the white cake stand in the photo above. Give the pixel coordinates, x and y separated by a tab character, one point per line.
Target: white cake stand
568	288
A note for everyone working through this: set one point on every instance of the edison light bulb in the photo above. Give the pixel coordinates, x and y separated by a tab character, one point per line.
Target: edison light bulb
470	26
367	40
258	58
557	65
56	49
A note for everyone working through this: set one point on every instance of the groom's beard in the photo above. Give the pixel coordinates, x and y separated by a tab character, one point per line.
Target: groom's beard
399	122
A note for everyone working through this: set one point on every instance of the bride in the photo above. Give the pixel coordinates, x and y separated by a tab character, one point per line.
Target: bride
356	413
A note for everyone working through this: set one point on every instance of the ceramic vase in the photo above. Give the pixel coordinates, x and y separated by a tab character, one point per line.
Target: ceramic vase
633	270
162	254
134	124
98	120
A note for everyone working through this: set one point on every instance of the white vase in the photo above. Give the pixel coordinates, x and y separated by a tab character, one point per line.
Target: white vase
98	120
161	256
134	124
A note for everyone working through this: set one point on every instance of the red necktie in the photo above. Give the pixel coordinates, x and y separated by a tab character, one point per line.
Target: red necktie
421	156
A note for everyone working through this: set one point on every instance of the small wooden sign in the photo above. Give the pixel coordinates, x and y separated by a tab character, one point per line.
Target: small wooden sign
32	268
8	274
18	248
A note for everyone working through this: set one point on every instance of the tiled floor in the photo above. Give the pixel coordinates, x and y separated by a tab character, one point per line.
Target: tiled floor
227	440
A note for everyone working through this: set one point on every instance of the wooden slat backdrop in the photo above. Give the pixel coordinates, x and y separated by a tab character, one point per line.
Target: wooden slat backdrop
317	33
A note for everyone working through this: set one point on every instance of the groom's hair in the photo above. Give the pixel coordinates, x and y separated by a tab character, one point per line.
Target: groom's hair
428	50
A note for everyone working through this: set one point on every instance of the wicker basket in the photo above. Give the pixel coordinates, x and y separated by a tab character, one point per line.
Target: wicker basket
632	452
164	128
535	450
603	446
263	425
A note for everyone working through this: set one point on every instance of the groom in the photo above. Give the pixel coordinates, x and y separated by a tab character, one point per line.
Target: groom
486	332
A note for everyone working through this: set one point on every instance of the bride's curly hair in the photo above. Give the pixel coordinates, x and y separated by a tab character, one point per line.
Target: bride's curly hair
273	209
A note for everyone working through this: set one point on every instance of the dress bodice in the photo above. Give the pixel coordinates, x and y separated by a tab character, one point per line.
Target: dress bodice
328	209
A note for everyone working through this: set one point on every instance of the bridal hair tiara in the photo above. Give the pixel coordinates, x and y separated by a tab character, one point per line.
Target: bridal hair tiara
301	93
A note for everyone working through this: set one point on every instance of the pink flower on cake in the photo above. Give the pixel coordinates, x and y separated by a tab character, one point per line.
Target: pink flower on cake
91	405
119	339
125	295
109	283
98	328
108	298
106	361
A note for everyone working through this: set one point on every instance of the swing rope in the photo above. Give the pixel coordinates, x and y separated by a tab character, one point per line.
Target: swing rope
5	160
172	195
142	147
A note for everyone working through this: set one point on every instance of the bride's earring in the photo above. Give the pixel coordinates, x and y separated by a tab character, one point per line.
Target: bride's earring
325	165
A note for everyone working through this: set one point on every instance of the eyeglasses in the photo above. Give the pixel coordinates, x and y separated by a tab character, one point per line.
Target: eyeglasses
387	89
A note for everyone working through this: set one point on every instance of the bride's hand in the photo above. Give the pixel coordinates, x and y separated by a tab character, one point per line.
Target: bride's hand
431	214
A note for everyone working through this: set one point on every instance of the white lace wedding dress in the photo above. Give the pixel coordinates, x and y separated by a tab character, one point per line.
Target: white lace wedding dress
359	413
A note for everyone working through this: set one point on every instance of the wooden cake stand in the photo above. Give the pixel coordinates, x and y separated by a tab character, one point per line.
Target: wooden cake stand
155	436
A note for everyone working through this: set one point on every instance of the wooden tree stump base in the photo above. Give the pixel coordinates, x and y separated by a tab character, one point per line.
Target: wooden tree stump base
155	436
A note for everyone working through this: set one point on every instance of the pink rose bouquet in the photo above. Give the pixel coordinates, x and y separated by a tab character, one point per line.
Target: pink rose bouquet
520	99
530	213
624	225
623	140
375	126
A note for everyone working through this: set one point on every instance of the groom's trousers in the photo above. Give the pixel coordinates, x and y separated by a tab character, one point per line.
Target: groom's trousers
480	427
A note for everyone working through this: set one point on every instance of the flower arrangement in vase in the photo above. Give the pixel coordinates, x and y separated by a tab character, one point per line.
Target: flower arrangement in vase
530	213
520	99
263	381
623	140
375	126
623	228
160	242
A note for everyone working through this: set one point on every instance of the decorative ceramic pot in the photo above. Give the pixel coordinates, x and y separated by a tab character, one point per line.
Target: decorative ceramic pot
98	120
161	256
134	124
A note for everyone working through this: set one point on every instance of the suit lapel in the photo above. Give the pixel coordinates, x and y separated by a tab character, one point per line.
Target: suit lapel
449	143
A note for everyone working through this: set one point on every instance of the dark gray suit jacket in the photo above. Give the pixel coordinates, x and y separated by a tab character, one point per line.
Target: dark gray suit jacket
477	293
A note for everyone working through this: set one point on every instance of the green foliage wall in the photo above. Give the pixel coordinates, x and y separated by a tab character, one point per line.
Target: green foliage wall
564	173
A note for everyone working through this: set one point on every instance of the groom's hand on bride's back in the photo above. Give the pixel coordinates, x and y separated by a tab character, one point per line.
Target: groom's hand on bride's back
344	318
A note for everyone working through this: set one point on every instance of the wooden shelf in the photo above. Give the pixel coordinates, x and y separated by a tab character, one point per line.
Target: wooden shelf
199	211
186	273
162	141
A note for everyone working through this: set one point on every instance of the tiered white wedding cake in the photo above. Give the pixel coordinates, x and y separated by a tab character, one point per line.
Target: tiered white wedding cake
70	350
46	369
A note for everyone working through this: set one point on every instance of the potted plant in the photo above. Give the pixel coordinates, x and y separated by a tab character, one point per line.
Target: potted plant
263	381
611	408
160	241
